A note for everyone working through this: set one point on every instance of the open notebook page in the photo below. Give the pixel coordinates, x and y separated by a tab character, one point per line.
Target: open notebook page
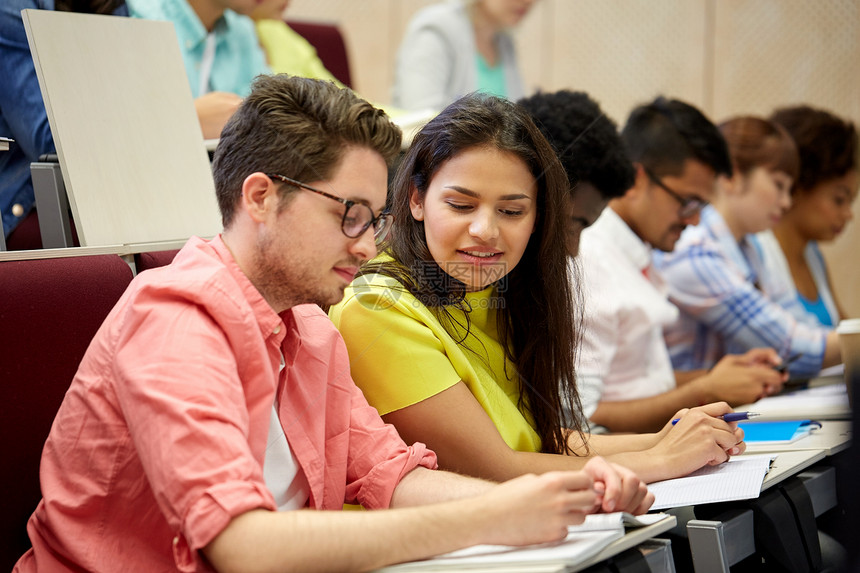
739	478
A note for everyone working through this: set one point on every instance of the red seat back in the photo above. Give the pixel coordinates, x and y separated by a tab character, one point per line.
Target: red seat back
330	47
153	259
49	311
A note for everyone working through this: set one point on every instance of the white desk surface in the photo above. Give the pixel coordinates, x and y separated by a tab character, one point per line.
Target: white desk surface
833	436
788	464
632	538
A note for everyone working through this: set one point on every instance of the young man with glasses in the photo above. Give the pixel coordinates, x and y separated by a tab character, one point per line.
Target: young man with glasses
624	372
214	394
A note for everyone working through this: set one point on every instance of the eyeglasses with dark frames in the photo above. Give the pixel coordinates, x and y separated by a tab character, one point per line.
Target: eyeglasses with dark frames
357	218
690	206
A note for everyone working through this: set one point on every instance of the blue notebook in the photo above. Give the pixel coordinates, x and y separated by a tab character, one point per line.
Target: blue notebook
777	432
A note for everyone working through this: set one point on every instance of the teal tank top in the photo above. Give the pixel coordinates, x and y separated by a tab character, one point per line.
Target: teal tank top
491	80
816	308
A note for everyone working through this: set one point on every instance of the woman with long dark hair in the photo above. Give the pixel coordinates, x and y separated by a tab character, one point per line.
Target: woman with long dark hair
462	334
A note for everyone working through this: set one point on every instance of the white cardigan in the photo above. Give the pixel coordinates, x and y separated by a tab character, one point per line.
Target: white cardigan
436	60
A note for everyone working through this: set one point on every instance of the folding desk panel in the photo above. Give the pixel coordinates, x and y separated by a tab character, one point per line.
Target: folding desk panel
123	119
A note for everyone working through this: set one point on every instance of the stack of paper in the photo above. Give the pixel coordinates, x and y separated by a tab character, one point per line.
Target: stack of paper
822	403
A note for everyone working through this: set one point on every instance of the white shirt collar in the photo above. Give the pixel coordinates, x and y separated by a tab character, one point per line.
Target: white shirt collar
611	226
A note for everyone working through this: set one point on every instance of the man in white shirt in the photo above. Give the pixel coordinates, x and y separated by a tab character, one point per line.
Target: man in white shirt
624	372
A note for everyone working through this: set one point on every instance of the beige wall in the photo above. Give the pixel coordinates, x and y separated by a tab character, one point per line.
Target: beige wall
726	56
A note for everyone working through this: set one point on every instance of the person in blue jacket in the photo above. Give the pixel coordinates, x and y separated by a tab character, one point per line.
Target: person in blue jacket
22	112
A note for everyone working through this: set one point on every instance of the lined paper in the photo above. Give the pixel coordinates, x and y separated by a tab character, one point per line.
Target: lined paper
739	478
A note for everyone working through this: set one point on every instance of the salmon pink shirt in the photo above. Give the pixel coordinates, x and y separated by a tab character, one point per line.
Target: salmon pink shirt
161	438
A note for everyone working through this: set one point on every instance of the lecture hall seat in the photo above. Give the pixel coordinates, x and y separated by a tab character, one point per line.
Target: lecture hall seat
50	309
328	41
153	259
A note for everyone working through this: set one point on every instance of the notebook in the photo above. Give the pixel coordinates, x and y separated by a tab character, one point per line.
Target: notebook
777	432
583	542
739	478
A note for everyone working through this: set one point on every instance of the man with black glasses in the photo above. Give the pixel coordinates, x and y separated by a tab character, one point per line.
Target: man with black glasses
216	401
624	372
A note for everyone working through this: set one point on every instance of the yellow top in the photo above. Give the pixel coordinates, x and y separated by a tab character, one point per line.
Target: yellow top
400	353
287	52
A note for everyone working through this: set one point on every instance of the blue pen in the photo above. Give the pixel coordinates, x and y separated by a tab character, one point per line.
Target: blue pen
730	417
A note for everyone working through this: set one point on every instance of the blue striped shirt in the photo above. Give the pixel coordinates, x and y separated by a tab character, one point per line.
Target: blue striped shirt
718	284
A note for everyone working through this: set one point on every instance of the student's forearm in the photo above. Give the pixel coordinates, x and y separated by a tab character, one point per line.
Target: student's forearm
309	540
648	414
607	445
684	376
529	509
633	452
640	453
649	466
422	486
511	463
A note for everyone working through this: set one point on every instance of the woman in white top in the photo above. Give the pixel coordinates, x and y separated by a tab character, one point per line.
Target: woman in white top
822	196
457	47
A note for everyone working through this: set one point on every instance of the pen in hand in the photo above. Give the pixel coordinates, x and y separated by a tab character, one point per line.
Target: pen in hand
781	368
730	417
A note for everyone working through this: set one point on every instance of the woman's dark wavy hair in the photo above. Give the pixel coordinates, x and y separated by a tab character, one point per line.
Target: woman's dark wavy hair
536	318
827	144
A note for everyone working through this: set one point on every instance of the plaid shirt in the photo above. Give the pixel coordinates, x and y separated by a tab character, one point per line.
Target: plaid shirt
718	284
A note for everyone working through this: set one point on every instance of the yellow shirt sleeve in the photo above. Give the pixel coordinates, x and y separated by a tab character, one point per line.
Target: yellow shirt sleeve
395	358
289	53
400	354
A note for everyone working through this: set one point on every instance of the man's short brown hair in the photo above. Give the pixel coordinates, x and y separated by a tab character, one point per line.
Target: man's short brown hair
299	128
